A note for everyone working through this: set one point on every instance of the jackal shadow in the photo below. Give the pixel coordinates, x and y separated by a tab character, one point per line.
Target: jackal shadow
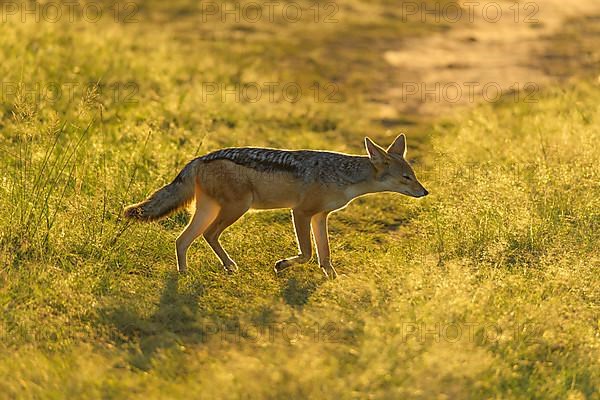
143	335
179	319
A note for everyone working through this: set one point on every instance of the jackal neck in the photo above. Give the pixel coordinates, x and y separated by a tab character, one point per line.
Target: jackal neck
369	182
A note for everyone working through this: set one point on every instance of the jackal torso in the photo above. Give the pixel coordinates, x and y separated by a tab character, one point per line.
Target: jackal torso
284	178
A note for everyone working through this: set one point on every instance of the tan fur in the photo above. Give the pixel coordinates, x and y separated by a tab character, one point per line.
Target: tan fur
224	190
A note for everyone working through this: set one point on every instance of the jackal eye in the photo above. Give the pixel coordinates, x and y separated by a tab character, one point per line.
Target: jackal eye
408	178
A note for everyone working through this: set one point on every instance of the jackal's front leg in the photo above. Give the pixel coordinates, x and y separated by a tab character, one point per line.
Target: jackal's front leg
319	228
302	227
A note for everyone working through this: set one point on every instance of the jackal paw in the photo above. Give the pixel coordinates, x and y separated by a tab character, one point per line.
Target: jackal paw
230	268
288	262
282	264
329	271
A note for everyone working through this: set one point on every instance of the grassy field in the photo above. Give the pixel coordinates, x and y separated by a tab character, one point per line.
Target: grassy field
487	288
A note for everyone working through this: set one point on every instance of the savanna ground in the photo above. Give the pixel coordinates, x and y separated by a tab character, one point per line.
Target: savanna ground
487	288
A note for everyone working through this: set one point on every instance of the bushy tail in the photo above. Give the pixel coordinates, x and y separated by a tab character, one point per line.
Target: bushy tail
167	199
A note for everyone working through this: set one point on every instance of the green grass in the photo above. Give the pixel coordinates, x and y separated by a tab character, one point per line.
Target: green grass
488	288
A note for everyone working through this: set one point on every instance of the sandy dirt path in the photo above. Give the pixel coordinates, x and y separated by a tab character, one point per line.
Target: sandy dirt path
489	52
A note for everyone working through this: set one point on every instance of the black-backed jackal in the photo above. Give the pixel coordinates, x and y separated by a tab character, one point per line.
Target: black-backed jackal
227	183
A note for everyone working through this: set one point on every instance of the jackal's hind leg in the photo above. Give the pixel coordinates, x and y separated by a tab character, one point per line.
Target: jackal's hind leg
302	228
228	214
205	213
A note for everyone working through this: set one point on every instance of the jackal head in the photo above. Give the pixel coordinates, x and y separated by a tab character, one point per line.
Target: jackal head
393	172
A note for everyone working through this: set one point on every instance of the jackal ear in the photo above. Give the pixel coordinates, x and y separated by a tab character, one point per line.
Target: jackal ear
376	153
399	146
